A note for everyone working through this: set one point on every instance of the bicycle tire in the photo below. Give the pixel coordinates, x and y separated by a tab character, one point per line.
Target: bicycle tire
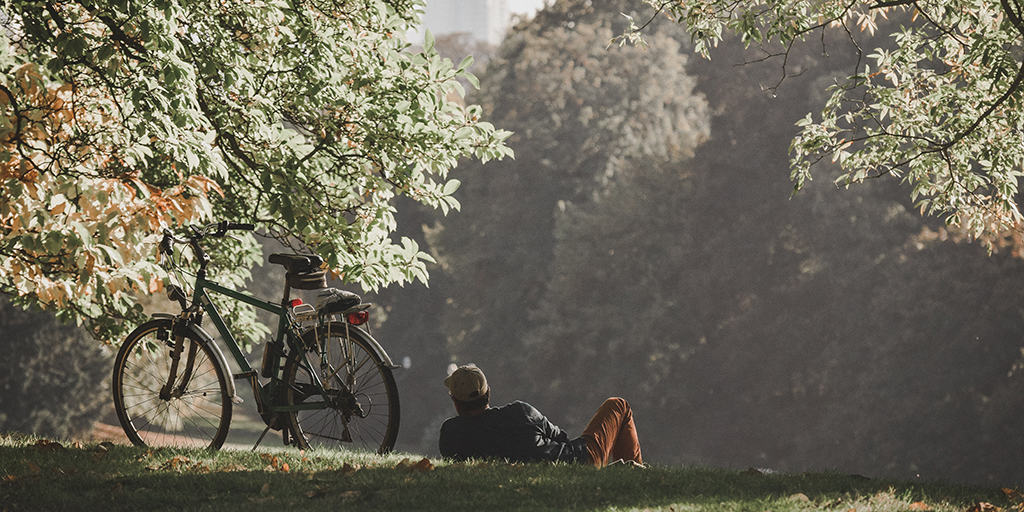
366	418
198	417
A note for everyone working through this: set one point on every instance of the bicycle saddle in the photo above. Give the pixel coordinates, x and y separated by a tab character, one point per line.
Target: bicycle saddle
297	263
304	271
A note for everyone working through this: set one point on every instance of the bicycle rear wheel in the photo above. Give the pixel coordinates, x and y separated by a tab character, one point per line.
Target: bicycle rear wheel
193	412
358	405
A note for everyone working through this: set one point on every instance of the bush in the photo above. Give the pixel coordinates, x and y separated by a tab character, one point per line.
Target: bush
54	379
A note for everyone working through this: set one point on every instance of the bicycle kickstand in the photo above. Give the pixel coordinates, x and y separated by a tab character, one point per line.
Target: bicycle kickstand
258	441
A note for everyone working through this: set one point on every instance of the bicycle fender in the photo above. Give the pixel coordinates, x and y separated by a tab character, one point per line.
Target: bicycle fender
200	334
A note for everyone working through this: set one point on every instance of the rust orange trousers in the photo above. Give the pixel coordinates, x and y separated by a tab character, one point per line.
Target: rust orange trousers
611	434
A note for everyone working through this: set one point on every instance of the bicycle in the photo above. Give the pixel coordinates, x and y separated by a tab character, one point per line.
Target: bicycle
326	380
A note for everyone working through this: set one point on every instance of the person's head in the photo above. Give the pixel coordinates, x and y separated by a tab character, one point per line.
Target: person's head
468	388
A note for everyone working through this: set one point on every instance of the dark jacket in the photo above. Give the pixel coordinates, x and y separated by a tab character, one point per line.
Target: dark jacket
516	432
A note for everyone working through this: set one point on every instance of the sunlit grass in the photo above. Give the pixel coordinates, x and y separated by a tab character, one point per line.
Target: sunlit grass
38	474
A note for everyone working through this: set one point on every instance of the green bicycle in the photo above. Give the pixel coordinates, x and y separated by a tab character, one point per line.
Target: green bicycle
323	380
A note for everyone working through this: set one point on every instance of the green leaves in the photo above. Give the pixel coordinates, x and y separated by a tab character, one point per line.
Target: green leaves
926	110
308	118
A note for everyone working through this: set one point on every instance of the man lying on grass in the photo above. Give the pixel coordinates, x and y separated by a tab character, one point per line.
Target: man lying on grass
517	432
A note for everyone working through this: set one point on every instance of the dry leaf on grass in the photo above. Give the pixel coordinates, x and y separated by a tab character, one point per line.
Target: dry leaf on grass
274	463
422	465
919	505
983	506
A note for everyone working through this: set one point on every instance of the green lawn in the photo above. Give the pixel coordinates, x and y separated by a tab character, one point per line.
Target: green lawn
38	474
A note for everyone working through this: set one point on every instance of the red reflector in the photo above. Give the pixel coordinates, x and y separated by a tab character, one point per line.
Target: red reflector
296	302
358	317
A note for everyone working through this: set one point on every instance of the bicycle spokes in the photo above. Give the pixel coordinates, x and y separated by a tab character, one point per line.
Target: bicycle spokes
166	402
348	396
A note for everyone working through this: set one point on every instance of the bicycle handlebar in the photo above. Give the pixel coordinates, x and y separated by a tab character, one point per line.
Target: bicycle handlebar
218	229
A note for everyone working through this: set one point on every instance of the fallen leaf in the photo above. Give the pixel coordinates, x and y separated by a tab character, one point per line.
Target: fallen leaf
349	494
799	497
348	469
919	505
9	478
983	506
265	489
423	465
1013	495
285	468
33	468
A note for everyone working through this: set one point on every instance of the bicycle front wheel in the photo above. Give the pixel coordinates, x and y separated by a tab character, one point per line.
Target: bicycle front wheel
189	409
356	405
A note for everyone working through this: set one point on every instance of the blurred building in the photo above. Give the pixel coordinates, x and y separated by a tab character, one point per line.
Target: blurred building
484	20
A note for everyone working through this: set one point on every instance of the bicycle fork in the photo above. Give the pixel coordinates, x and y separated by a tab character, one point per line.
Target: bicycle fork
169	390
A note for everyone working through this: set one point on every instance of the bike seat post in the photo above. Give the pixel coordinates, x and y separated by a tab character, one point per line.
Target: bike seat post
287	295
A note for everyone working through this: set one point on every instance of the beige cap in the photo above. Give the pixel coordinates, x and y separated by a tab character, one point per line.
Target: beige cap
466	383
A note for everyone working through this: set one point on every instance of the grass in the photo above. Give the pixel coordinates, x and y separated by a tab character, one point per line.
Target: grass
38	474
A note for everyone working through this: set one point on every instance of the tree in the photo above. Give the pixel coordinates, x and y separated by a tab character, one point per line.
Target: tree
306	117
939	107
53	382
834	330
581	115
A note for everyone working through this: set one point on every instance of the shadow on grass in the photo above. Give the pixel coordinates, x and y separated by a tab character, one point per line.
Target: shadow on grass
125	478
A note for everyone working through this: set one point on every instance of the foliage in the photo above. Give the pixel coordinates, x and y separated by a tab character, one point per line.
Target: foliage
306	117
108	477
583	115
52	381
835	329
937	106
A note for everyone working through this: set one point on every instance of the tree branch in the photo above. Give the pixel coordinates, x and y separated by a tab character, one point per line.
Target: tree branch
892	3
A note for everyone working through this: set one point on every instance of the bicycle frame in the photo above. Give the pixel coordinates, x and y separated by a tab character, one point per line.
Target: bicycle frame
202	298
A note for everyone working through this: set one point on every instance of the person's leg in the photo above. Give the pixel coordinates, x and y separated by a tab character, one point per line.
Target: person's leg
611	434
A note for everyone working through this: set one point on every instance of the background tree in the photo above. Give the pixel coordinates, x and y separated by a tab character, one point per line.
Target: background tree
939	109
308	118
834	330
586	114
52	381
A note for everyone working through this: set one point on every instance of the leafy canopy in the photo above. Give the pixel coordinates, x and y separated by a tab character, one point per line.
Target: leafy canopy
938	106
307	117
